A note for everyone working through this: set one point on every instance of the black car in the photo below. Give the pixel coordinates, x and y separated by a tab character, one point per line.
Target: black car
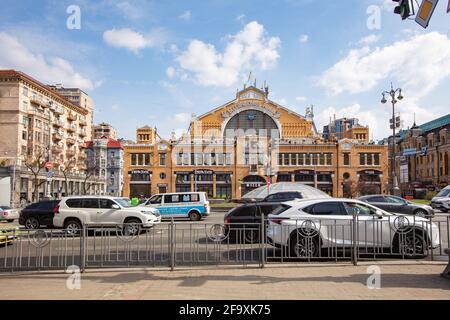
395	204
243	223
38	214
283	196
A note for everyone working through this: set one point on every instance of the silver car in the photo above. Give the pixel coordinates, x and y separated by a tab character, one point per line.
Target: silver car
395	204
8	214
304	228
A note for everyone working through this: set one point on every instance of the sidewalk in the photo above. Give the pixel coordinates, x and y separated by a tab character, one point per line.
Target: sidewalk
399	280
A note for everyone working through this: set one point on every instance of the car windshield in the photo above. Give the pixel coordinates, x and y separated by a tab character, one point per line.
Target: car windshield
123	202
443	193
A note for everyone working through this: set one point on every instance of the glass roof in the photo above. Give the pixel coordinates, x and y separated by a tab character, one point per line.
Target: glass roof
306	191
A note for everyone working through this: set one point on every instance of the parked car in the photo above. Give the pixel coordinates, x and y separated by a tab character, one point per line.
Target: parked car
283	196
8	235
243	223
8	214
74	212
38	214
192	205
442	200
304	228
395	204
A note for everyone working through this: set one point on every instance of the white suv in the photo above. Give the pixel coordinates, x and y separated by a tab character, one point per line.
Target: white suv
74	212
306	227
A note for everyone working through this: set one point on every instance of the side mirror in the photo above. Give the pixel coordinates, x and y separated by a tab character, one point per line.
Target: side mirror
115	206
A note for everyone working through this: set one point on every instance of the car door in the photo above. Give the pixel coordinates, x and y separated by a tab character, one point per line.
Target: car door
46	213
397	205
334	222
106	214
89	206
379	202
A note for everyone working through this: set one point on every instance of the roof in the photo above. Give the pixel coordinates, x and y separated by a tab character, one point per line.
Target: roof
14	73
436	123
112	144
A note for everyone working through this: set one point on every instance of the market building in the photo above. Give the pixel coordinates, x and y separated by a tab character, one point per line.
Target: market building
247	143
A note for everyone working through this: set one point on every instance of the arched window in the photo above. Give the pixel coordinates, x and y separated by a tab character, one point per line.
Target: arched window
251	122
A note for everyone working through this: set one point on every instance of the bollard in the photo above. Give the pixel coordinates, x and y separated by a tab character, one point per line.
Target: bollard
354	239
263	237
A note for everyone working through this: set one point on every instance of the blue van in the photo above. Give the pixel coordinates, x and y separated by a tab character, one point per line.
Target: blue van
192	205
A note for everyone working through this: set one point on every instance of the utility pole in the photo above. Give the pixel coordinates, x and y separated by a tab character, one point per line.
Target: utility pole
395	190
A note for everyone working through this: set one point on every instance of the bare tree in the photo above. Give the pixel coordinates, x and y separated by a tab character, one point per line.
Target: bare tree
91	170
65	169
35	164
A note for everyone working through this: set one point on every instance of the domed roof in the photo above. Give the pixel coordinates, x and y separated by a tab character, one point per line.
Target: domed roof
306	191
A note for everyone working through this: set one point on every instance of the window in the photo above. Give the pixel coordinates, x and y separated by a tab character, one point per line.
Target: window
74	203
376	159
346	159
357	208
377	199
156	199
89	203
147	159
362	159
172	198
327	208
24	135
293	159
395	200
162	176
106	203
133	159
25	91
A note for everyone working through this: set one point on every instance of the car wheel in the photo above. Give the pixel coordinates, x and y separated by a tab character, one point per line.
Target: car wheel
32	223
251	236
73	227
411	244
195	216
302	247
421	213
10	220
132	227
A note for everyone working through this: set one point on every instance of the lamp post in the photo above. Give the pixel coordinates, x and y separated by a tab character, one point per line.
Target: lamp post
395	95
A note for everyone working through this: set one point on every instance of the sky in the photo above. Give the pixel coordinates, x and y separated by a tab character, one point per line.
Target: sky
160	63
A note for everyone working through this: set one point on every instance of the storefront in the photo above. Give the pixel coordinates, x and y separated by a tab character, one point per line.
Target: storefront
183	181
204	181
304	176
250	183
140	183
223	185
369	182
325	182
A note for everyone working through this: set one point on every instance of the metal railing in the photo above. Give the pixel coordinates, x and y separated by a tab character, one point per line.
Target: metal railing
174	244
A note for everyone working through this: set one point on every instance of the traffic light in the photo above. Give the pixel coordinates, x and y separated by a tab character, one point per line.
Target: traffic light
404	8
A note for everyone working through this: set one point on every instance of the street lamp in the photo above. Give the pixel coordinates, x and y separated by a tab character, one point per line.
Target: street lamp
395	95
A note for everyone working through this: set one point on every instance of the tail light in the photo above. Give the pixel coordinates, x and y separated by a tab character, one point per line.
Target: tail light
278	220
56	209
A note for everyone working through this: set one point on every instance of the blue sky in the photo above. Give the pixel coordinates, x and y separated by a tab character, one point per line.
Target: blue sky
159	62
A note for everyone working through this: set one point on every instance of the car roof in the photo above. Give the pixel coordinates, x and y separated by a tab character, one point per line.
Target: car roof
306	202
91	197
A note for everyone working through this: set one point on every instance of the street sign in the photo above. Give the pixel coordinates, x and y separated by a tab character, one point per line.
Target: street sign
49	174
49	165
426	10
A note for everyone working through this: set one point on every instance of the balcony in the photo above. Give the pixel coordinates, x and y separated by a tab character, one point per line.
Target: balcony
58	123
71	117
57	136
70	153
59	110
82	133
56	149
39	101
70	141
82	122
71	128
82	156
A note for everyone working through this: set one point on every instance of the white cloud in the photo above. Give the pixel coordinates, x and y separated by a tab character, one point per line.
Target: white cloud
47	69
300	99
370	39
241	17
182	118
133	40
131	12
248	49
418	65
303	38
186	16
170	72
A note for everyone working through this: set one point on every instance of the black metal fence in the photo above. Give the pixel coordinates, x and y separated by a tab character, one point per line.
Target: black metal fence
173	244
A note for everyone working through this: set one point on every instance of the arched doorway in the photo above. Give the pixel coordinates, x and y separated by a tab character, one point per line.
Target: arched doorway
250	183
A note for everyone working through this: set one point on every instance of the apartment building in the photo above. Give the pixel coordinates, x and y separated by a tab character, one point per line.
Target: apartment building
105	155
345	128
247	143
40	125
104	130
